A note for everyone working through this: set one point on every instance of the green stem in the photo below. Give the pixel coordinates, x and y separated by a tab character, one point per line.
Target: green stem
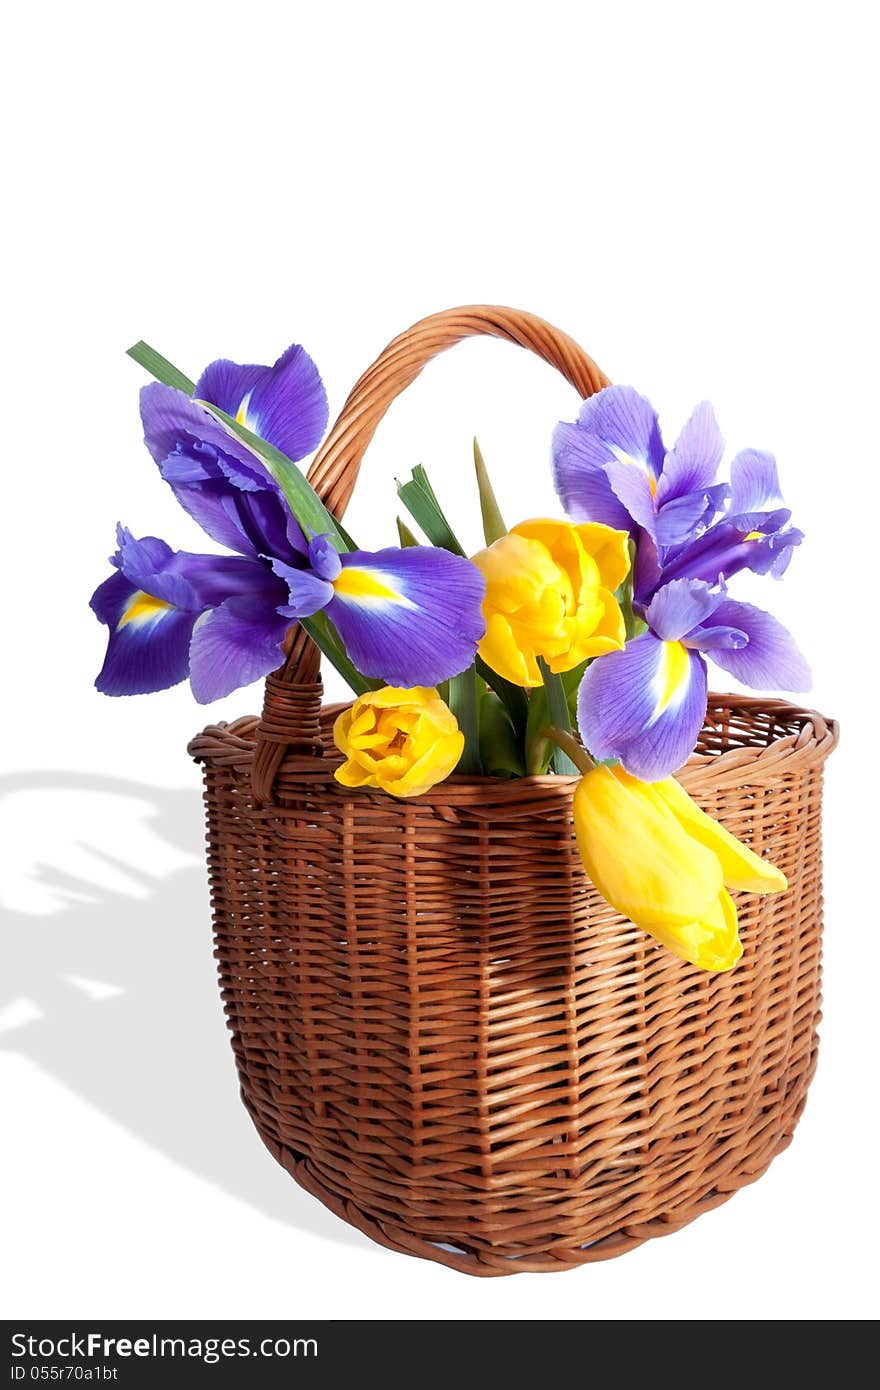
557	708
580	758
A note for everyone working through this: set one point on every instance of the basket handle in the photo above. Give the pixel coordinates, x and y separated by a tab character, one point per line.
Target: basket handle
293	694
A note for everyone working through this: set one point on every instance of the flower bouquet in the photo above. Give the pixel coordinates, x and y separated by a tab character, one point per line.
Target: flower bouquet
463	921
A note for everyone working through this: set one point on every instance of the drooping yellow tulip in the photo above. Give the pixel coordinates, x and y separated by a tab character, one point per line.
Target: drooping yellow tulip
404	741
550	593
657	858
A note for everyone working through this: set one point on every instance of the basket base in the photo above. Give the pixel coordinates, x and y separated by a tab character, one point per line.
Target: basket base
486	1263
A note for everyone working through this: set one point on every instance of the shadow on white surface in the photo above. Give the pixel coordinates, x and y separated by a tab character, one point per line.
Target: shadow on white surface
110	981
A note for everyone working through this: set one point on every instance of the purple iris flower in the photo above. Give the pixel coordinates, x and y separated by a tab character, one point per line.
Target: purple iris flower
173	614
409	617
612	466
754	535
644	706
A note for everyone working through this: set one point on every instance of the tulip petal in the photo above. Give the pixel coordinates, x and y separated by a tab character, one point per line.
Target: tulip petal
610	550
668	882
712	943
743	870
410	617
644	706
498	648
403	741
665	876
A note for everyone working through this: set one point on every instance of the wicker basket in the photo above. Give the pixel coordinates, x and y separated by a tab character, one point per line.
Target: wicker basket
441	1030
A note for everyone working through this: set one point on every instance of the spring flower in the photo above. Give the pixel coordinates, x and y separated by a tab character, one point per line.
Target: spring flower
611	466
404	616
550	593
403	741
644	706
285	404
661	861
754	533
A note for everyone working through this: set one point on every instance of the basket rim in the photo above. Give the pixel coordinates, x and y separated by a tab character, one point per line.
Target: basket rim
816	735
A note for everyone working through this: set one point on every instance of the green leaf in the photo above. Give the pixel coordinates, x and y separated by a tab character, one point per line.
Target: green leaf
405	535
499	747
539	753
516	702
463	703
494	526
159	367
420	501
327	640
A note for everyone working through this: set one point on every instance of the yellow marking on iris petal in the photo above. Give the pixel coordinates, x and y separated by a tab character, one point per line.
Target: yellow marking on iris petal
652	484
142	608
241	413
754	536
672	675
367	586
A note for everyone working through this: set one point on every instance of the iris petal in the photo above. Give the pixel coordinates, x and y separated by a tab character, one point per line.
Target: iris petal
758	541
580	479
644	706
626	424
307	592
692	463
285	404
408	617
188	580
236	644
768	660
216	478
148	648
288	404
754	482
680	606
226	384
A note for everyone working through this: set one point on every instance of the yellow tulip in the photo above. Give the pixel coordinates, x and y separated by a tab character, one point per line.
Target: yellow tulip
661	861
404	741
550	593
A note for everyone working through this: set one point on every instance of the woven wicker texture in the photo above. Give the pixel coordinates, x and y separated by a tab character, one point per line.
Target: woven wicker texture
441	1030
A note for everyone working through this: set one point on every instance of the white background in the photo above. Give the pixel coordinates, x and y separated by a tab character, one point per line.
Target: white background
689	190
